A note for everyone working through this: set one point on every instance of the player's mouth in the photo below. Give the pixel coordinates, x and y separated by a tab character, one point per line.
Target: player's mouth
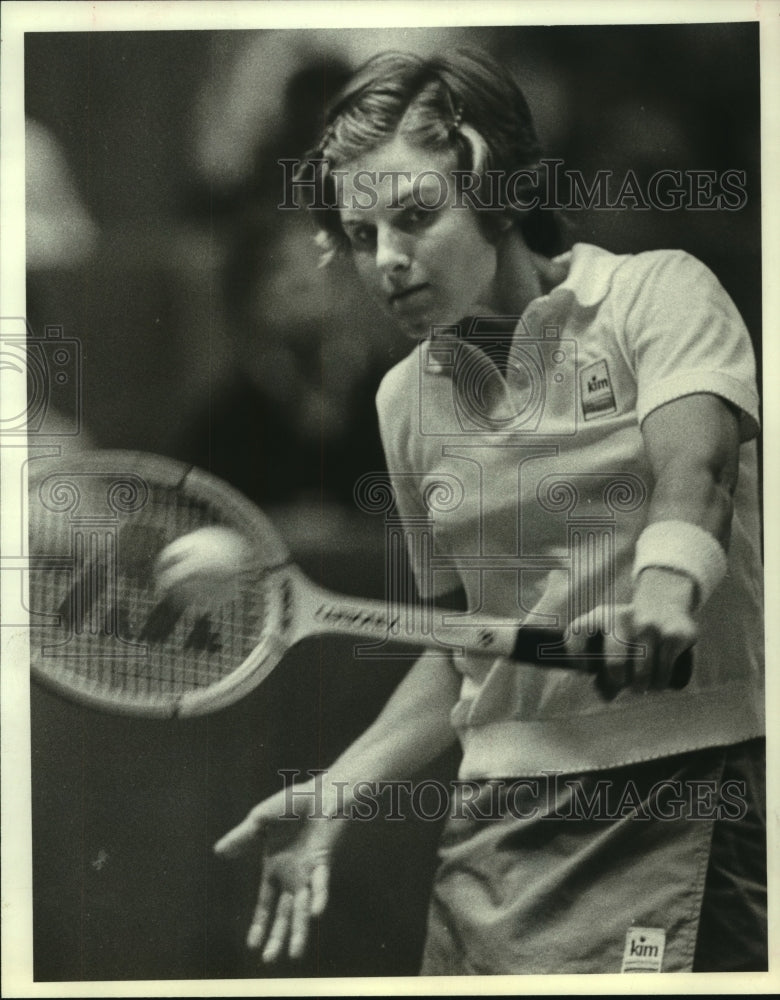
409	297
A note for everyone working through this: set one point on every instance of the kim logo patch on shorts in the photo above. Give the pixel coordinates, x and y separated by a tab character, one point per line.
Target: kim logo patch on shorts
644	951
596	393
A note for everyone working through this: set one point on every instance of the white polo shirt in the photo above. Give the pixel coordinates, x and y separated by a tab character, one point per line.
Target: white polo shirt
529	486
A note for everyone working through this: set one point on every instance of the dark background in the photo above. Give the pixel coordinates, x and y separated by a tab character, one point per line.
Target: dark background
207	334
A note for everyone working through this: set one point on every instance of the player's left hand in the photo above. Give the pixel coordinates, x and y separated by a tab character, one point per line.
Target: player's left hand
297	843
647	644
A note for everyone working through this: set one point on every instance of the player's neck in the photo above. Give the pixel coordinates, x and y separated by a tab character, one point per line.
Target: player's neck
518	278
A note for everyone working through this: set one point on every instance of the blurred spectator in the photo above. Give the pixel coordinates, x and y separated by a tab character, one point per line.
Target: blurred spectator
60	236
60	231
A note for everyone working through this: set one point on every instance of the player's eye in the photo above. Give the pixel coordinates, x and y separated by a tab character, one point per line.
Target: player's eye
417	217
362	237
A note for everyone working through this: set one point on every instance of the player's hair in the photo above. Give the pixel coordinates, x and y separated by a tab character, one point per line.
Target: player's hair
462	103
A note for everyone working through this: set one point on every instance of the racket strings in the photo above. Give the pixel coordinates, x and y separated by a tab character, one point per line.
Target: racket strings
98	621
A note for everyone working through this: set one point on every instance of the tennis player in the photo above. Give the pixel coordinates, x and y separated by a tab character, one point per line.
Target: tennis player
592	420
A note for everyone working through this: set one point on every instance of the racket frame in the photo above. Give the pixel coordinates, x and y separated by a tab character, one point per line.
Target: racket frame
238	512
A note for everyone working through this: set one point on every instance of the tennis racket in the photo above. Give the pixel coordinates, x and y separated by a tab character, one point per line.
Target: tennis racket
103	633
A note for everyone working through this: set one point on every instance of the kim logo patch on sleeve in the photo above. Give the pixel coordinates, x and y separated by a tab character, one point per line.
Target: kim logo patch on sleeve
596	393
644	951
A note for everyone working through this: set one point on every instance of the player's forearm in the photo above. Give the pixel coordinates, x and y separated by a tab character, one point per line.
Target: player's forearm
412	730
691	489
693	447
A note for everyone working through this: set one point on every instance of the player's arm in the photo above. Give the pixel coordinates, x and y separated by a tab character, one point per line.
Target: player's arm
412	730
692	444
693	447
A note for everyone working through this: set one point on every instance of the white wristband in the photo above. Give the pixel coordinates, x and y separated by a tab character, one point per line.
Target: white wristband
685	548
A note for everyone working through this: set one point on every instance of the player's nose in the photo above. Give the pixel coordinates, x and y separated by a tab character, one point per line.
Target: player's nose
393	253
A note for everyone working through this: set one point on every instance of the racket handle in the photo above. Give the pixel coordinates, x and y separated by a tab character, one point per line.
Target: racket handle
682	671
530	646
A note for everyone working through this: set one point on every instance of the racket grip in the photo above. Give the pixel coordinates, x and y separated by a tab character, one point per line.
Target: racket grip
529	648
682	671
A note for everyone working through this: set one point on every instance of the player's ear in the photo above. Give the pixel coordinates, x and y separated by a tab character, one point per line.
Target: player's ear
495	226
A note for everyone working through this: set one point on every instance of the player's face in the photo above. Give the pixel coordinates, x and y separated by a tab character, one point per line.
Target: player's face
425	265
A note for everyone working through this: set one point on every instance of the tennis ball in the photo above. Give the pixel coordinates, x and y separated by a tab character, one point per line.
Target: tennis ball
204	566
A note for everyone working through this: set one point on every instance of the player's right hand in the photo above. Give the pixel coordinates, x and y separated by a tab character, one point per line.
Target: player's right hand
296	869
648	646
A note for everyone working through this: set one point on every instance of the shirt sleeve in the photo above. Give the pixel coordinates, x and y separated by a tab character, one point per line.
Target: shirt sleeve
684	335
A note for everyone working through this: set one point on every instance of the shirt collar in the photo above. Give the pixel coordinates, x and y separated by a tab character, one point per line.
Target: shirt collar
590	272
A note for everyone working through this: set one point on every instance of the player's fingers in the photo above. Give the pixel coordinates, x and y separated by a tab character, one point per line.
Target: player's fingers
320	881
663	662
612	676
583	633
586	633
588	641
671	651
640	674
241	837
256	934
299	925
280	928
644	660
618	666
